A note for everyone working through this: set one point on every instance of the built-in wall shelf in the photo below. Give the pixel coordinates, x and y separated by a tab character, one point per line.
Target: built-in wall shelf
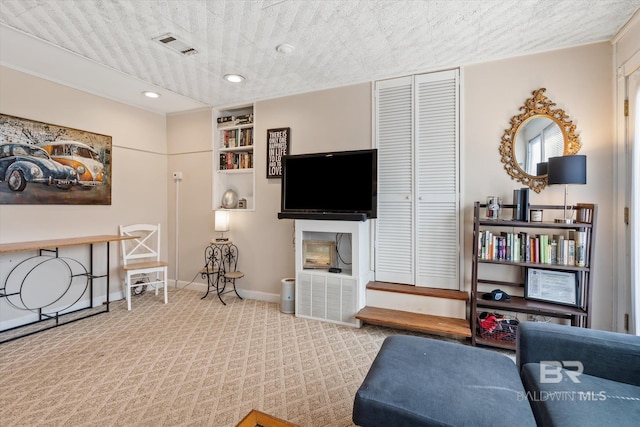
233	156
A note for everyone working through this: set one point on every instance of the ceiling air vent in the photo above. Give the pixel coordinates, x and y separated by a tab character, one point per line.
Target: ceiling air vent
175	44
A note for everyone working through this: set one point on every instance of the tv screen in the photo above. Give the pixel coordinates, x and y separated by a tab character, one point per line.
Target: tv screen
342	183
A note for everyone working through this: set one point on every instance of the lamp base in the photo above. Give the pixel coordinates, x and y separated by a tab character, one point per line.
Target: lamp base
563	221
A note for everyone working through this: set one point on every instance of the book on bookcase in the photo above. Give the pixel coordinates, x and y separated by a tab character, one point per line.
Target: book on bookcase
521	204
580	239
556	249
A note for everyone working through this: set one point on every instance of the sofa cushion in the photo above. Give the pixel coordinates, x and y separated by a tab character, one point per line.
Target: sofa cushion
416	381
559	400
604	354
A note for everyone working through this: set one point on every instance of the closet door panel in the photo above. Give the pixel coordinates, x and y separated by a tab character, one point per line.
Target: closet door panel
394	132
437	180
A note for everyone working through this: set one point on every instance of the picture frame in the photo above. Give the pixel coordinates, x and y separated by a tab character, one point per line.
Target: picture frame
318	254
278	145
558	287
48	164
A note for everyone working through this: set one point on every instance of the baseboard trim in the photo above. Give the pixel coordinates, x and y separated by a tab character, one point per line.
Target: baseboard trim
244	293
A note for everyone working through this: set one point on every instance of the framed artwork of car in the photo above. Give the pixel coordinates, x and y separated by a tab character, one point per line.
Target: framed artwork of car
43	163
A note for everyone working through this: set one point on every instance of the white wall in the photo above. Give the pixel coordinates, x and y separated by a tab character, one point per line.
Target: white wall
139	167
336	119
328	120
580	81
189	137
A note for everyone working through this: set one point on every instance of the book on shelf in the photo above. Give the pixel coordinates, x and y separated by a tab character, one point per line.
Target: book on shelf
229	161
524	202
233	138
226	121
525	247
584	213
554	249
535	252
544	248
229	138
247	137
580	239
521	204
244	119
571	251
240	138
561	252
517	205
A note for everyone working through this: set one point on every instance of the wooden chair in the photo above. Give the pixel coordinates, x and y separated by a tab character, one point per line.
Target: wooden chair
141	259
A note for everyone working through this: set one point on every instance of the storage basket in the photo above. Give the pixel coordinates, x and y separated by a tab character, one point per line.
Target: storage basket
497	327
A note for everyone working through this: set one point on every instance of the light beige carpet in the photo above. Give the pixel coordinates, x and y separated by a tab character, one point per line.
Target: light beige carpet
191	362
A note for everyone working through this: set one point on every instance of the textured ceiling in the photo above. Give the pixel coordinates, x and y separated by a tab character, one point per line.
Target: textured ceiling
336	42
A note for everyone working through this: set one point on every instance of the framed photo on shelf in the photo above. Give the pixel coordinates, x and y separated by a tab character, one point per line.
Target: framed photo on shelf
559	287
318	254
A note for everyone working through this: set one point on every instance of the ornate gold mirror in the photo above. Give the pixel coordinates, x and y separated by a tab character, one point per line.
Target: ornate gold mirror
536	134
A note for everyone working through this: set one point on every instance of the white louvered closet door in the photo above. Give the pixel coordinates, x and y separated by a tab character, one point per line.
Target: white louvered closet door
417	123
437	180
394	133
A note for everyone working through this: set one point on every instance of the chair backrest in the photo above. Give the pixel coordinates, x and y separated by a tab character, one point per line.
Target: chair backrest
229	258
144	247
213	259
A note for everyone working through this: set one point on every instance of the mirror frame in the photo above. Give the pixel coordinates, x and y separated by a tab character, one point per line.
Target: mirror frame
536	106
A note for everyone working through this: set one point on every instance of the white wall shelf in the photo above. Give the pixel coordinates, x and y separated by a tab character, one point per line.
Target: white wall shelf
233	157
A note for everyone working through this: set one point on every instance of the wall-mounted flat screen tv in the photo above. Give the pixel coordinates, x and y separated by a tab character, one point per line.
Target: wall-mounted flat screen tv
341	185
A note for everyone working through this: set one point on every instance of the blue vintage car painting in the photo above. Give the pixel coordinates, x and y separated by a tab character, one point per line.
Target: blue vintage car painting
24	163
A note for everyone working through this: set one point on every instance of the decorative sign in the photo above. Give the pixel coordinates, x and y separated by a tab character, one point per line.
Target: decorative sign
278	141
42	163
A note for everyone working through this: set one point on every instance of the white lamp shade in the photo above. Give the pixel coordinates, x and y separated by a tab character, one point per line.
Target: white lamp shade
221	221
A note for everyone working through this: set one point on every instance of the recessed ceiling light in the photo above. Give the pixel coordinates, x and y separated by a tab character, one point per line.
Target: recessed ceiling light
285	48
150	94
233	78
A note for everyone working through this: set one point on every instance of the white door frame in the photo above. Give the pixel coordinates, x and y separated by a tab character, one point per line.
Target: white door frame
622	190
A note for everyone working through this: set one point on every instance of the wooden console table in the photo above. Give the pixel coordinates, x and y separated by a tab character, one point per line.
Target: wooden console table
15	289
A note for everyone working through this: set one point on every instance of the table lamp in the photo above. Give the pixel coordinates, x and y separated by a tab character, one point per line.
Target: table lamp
221	225
567	170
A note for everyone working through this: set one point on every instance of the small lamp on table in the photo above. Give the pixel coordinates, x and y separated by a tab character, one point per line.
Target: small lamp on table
221	225
567	170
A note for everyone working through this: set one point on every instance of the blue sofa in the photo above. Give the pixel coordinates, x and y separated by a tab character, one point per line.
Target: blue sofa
416	381
605	393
